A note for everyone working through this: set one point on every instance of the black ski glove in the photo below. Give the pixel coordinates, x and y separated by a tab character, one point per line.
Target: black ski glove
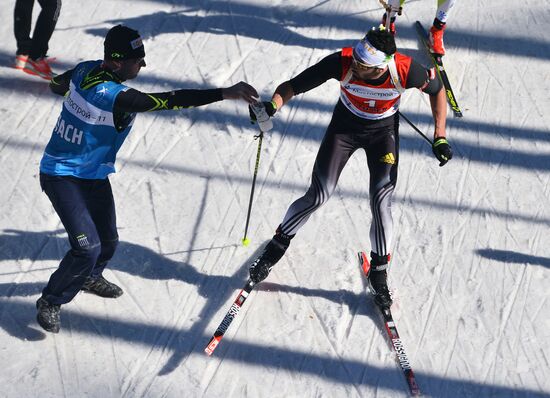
442	151
270	109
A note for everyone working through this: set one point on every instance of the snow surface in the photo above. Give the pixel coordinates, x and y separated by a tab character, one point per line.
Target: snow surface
471	257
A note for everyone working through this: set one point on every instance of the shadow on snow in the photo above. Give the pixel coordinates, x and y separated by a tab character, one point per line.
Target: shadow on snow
18	320
145	263
508	256
276	24
464	149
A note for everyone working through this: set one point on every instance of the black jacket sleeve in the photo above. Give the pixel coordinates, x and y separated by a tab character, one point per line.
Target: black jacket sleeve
132	100
60	83
423	79
329	67
136	101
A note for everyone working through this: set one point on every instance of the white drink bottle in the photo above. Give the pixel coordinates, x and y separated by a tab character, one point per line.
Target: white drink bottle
263	119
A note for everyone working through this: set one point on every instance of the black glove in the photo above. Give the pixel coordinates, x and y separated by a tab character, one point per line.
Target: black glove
270	109
442	151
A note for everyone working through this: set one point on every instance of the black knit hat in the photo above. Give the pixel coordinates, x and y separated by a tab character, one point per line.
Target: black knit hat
123	42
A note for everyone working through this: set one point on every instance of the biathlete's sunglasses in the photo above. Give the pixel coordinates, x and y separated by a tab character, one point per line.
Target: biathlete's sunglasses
363	66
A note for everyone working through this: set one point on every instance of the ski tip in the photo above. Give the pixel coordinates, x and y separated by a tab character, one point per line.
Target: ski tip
364	262
209	350
246	241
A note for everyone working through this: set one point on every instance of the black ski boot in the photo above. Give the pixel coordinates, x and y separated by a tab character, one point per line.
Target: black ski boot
101	287
274	250
48	315
378	280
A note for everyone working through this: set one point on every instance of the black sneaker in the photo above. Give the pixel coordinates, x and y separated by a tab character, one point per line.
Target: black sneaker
274	250
48	315
101	287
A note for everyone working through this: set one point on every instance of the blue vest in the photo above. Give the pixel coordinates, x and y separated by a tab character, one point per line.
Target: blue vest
84	141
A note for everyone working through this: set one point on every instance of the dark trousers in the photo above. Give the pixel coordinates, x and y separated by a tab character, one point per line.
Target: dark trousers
381	146
37	46
87	210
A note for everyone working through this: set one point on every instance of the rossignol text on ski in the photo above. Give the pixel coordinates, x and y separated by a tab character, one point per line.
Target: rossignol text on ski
391	329
229	316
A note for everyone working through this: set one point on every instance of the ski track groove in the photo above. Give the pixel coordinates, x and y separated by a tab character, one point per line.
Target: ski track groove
161	342
208	376
117	372
128	293
149	384
465	173
355	232
431	312
134	381
167	151
485	93
327	338
522	85
505	317
24	269
154	214
59	368
207	141
23	171
24	115
133	146
480	198
454	346
184	315
516	341
241	56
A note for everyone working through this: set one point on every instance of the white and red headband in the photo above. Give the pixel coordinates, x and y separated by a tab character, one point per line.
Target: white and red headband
365	53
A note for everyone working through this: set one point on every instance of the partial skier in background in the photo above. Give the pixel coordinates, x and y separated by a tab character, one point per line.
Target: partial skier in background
394	8
31	54
372	77
97	115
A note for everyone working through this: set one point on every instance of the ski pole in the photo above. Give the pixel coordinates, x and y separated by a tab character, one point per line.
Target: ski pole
260	138
265	124
415	128
390	12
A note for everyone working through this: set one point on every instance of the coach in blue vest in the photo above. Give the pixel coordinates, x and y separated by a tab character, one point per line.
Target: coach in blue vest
97	115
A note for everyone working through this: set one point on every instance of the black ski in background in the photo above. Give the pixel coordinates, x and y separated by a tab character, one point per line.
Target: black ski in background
441	72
